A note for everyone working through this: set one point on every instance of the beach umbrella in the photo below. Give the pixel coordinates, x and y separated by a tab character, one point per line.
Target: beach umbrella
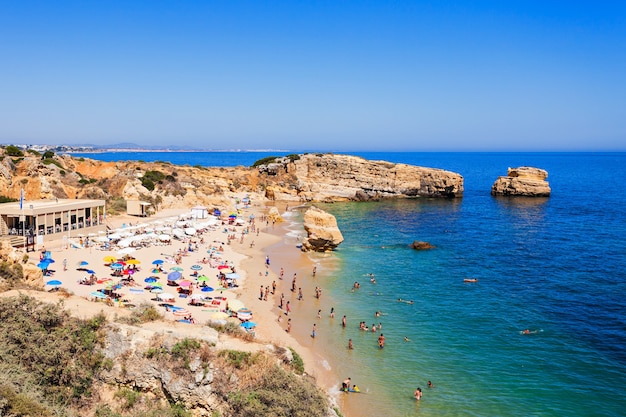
174	275
176	268
235	305
232	276
165	238
109	259
133	262
43	265
202	278
166	296
54	283
248	324
157	284
185	283
90	271
197	297
157	262
102	239
207	289
83	263
48	259
126	251
219	315
156	290
190	231
196	267
223	267
182	313
150	280
117	265
98	294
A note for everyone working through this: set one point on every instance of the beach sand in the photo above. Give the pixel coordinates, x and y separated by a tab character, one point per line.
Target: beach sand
249	263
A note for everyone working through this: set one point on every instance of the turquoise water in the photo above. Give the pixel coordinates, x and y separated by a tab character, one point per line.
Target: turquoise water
554	265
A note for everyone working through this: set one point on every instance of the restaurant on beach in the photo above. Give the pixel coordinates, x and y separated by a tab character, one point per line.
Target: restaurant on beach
23	222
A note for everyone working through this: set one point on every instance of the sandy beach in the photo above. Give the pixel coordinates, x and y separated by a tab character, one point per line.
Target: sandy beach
246	254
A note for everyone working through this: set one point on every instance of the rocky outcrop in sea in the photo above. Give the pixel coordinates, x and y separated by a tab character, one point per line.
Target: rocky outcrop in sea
522	181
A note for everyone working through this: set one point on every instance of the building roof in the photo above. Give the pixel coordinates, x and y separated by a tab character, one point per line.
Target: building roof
36	207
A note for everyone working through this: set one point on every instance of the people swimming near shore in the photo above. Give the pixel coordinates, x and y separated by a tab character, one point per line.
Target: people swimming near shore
400	300
418	394
528	331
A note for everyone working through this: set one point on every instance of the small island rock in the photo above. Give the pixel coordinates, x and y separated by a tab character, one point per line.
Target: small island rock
522	181
323	233
417	245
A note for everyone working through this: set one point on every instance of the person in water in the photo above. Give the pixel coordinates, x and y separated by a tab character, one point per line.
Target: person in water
418	394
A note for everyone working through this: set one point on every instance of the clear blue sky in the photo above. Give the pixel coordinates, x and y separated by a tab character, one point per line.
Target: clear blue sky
316	75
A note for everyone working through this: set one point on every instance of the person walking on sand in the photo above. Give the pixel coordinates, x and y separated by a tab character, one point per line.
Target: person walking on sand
288	308
288	330
65	264
319	314
273	287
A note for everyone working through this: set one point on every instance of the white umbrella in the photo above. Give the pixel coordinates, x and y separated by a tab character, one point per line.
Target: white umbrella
126	251
102	239
190	231
165	238
235	305
165	296
115	236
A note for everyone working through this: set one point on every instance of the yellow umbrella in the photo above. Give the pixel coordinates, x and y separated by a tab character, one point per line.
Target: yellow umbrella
110	259
219	315
133	261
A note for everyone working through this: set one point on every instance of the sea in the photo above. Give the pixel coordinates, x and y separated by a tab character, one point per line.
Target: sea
555	266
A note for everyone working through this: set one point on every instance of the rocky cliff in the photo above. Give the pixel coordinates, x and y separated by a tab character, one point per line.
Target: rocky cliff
309	177
330	177
522	181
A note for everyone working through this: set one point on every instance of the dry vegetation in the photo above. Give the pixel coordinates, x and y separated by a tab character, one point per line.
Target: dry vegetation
50	365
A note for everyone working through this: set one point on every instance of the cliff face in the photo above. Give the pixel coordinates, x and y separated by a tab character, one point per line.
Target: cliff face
522	181
328	177
312	177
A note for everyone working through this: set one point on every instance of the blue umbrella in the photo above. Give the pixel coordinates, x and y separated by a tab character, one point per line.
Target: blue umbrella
207	289
91	271
248	324
49	260
83	263
54	282
117	266
173	276
43	265
157	262
150	279
98	294
196	267
232	276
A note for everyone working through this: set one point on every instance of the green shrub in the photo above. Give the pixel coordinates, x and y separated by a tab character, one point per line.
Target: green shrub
13	150
49	161
264	161
5	199
297	363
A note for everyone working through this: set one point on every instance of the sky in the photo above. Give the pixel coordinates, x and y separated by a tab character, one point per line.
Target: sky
335	75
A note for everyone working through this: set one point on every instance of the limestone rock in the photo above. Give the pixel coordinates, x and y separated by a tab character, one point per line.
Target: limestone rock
323	233
522	181
417	245
329	177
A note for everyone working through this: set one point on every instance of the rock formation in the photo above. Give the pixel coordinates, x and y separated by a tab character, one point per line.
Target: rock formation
16	270
308	177
522	181
417	245
322	230
330	177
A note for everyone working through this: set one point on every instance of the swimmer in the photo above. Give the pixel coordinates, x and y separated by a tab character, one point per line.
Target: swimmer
418	394
430	385
406	339
400	300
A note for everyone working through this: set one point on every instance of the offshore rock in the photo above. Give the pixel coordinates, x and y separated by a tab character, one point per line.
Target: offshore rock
522	181
417	245
323	233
